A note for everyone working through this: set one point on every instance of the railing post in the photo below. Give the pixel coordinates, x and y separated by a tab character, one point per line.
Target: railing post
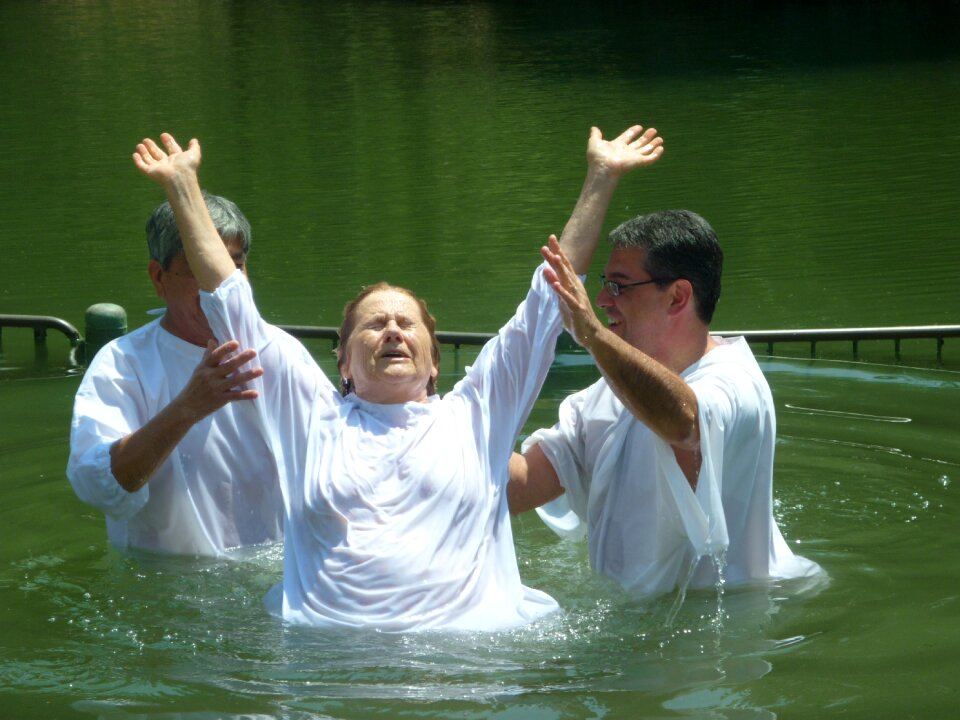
104	322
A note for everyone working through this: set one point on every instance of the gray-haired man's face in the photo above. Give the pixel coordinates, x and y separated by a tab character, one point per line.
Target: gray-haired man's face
178	287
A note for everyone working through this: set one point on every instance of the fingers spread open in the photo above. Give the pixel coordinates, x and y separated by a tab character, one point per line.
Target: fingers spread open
217	353
629	134
245	377
152	149
170	143
237	361
649	135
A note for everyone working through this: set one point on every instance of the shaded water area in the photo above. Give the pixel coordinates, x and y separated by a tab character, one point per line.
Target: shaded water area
435	145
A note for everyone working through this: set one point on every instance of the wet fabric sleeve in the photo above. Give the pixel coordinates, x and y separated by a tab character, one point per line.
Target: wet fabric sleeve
734	422
108	406
511	368
292	387
701	512
289	377
730	411
563	445
233	315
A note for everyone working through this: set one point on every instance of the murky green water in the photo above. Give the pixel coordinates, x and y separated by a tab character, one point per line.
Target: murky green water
435	144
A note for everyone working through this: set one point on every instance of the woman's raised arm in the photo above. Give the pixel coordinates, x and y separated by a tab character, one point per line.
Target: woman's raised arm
175	170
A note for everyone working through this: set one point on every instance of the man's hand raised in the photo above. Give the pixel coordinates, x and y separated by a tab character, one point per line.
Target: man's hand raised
633	148
218	380
162	166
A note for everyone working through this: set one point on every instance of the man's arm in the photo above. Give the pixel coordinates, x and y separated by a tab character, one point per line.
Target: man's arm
135	458
607	162
652	392
655	394
533	481
176	171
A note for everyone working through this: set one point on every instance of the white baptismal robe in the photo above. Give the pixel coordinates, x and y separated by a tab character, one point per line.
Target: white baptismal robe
396	515
218	490
624	488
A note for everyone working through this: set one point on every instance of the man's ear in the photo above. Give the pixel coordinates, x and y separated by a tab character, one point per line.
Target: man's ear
155	271
681	296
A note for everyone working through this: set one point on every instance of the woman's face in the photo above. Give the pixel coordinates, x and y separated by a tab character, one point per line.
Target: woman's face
388	354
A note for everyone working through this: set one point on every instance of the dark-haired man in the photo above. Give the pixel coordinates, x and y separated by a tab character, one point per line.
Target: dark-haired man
668	458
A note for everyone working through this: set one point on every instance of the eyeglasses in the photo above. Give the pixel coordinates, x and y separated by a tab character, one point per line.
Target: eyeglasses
615	288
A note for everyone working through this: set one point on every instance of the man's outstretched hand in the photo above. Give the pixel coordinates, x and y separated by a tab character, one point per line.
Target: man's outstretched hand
218	379
633	148
579	318
164	165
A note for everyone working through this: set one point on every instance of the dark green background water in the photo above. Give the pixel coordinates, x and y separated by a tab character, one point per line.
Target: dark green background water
435	145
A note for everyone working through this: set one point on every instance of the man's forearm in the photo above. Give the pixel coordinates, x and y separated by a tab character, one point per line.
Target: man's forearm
136	457
652	392
533	481
581	234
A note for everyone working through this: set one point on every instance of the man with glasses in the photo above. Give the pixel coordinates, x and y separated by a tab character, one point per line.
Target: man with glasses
162	441
666	462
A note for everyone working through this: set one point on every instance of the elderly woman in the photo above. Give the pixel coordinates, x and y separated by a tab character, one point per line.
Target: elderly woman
395	499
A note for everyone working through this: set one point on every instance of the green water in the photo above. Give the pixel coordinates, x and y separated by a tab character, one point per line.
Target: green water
435	145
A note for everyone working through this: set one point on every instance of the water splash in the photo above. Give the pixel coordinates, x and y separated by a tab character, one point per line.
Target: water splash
681	593
719	560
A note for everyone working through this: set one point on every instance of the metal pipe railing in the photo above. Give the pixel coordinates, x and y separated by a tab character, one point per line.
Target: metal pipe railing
42	323
444	337
767	337
852	335
855	335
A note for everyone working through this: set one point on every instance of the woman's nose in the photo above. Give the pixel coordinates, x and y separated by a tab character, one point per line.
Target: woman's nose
392	329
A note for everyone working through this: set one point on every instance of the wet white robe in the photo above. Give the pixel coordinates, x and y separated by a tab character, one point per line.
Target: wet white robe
218	490
625	490
396	515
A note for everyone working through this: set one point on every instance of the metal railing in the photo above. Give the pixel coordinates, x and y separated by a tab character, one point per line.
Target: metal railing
444	337
41	324
765	337
851	335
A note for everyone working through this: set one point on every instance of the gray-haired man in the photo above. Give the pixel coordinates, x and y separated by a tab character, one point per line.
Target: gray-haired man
158	441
